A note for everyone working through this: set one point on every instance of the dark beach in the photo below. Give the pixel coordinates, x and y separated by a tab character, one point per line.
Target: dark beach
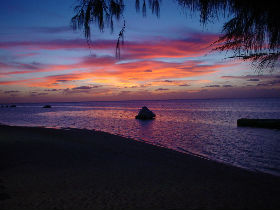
43	168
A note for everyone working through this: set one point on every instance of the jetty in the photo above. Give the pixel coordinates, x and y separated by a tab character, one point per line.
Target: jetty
259	123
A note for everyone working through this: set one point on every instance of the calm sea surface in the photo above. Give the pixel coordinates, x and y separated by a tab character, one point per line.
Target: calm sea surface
201	127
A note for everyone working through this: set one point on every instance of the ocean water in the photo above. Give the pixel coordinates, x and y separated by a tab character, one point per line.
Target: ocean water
205	128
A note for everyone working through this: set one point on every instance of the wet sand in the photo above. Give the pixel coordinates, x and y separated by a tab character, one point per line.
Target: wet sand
43	168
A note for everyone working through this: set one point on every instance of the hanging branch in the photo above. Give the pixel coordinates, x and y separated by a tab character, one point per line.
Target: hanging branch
252	33
120	41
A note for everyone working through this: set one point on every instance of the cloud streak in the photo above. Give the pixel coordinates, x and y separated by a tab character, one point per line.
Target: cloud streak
141	64
153	66
194	45
105	70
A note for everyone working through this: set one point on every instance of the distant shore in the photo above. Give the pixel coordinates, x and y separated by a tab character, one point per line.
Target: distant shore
43	168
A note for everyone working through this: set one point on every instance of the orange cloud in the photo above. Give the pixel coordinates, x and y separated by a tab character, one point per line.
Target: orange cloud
104	70
141	67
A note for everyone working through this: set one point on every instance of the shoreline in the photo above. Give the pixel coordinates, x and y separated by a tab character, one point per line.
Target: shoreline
78	168
180	150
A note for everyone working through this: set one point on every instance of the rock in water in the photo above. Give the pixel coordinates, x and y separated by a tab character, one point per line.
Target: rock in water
47	106
145	114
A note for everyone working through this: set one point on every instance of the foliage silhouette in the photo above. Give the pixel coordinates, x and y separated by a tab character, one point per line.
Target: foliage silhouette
252	32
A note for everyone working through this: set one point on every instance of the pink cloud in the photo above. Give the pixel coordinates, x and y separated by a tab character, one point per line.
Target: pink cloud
194	45
138	67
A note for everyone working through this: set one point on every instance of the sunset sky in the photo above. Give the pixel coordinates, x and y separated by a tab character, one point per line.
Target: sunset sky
43	60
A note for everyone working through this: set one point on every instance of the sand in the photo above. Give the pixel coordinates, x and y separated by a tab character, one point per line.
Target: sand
42	168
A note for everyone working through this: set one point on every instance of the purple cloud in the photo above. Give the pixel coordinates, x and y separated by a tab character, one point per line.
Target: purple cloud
212	86
161	89
85	87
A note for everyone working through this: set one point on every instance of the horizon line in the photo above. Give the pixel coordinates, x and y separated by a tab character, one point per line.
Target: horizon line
131	100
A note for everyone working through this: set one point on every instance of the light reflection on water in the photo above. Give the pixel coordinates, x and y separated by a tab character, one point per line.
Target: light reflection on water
202	127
